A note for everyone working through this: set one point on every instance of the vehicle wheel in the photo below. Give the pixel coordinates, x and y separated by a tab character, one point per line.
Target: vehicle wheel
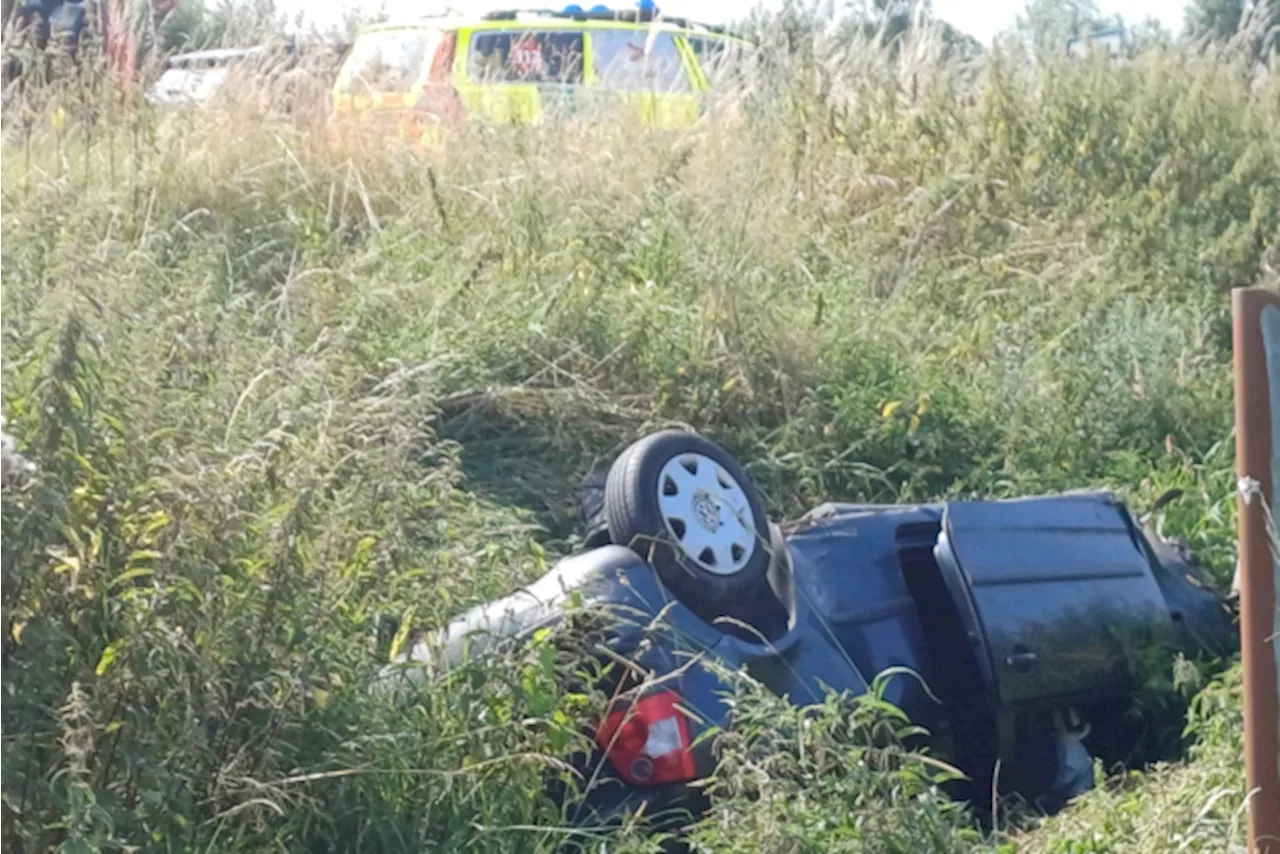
685	505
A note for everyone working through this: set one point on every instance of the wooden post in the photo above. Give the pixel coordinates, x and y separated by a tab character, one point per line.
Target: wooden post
1256	317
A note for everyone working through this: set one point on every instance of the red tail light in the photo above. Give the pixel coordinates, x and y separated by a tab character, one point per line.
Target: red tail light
648	742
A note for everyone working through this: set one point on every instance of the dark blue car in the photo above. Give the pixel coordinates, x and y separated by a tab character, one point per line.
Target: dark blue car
1022	623
60	21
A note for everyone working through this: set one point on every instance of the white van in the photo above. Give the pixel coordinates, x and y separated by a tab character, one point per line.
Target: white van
194	78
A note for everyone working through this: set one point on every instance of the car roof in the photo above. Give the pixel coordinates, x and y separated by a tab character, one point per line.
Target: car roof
551	19
228	54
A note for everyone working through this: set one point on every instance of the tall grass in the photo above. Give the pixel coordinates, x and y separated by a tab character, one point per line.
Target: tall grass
275	388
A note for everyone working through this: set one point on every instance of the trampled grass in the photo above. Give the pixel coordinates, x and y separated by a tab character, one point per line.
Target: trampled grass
276	389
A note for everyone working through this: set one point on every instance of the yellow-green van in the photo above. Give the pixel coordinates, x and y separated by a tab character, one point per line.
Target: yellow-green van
525	67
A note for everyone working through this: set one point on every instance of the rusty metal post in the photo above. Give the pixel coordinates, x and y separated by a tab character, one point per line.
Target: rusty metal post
1256	316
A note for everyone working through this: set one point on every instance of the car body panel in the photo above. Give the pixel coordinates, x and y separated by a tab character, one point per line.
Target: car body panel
1202	618
194	78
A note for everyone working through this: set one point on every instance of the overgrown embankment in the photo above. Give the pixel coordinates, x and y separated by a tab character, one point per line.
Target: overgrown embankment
274	391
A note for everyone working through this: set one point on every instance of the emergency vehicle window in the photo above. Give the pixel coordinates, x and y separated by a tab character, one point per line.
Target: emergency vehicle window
531	57
630	60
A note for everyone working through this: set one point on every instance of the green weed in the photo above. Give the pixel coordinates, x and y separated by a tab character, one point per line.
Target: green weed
275	389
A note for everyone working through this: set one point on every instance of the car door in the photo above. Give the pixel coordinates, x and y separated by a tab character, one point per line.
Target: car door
1057	593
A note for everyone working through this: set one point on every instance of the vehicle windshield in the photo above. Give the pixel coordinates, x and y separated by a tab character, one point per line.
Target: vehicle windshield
387	60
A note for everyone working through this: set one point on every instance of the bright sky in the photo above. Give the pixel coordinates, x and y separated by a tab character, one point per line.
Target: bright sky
980	18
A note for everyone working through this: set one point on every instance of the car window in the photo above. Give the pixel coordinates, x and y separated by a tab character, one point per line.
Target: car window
629	60
526	57
720	60
386	60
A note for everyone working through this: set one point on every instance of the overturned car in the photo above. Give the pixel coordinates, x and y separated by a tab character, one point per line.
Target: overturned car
1019	625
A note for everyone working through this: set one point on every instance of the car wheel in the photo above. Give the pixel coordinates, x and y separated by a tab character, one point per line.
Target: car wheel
683	503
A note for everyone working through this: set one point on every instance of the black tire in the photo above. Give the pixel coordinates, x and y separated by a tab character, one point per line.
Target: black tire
636	520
